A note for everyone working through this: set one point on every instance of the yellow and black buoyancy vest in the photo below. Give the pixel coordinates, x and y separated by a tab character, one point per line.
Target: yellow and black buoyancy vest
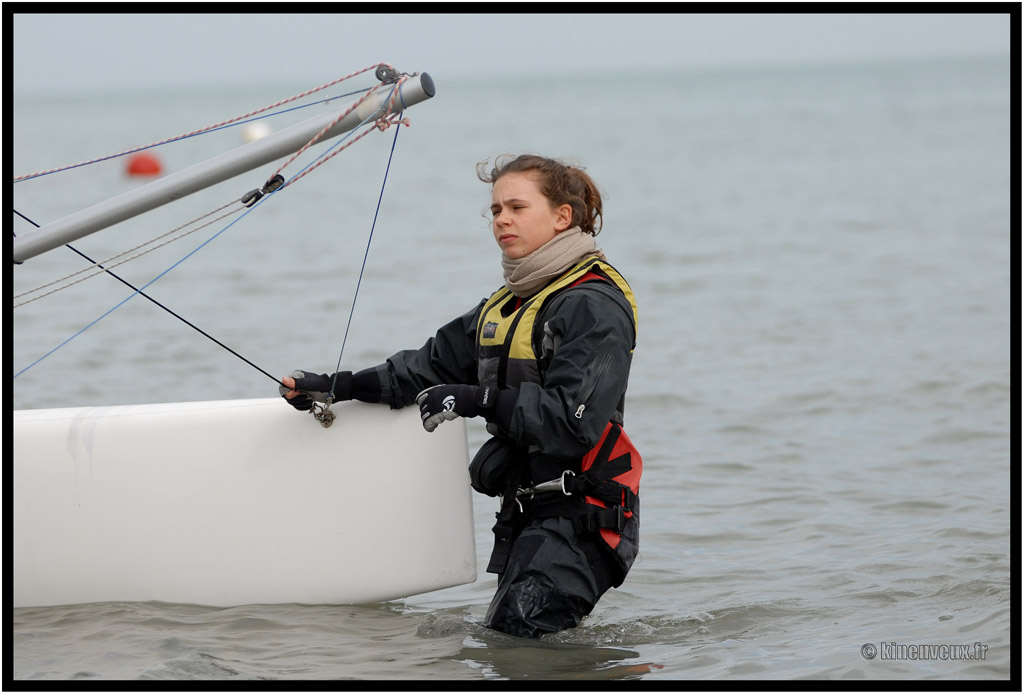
609	475
505	333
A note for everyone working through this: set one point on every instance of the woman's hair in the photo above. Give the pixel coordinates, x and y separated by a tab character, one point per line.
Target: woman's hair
560	183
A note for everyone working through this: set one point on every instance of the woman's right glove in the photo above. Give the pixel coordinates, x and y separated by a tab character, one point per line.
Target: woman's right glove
311	387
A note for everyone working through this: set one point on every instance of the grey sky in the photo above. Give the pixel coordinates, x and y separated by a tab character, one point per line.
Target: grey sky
56	52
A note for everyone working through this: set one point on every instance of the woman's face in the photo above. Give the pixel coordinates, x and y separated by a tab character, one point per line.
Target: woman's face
523	218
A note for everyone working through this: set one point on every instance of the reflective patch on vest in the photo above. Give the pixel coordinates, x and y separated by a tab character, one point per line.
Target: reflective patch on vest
489	330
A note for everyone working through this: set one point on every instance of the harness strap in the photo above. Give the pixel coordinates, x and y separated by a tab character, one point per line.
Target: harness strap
505	527
562	498
585	517
503	535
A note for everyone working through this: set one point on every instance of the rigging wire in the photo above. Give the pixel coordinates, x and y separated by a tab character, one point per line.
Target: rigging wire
382	124
103	265
141	290
98	266
366	255
165	308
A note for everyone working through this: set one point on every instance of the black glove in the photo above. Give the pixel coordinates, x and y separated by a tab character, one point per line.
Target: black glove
442	403
316	387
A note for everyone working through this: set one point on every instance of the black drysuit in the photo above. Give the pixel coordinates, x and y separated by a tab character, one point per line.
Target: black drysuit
584	337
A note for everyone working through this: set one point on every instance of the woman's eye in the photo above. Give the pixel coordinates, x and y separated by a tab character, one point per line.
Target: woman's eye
495	211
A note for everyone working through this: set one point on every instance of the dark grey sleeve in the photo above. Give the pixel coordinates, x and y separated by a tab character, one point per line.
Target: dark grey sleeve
448	357
590	336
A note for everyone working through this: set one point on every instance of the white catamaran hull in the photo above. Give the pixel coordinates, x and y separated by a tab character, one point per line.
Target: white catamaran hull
237	502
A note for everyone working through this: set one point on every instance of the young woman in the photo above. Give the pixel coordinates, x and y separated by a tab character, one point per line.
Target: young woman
545	360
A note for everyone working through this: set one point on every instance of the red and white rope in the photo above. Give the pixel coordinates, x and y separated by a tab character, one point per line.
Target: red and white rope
382	124
206	129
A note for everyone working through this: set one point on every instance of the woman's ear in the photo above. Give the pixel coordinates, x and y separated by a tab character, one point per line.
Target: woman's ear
563	217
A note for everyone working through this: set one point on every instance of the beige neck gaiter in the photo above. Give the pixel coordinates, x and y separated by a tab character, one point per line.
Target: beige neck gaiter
525	276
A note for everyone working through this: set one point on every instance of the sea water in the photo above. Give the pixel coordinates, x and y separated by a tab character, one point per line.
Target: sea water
821	388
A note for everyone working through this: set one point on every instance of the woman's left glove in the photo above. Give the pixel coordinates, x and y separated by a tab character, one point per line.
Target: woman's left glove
442	403
316	387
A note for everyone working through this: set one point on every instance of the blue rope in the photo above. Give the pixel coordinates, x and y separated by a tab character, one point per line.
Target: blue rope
138	291
366	255
196	249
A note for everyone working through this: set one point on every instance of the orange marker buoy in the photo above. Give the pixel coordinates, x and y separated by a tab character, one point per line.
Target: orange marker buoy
143	164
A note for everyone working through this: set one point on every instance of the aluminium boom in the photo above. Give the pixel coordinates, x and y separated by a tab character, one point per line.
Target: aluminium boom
419	87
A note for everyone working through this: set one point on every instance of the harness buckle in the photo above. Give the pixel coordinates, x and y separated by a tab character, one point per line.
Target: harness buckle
620	518
613	518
